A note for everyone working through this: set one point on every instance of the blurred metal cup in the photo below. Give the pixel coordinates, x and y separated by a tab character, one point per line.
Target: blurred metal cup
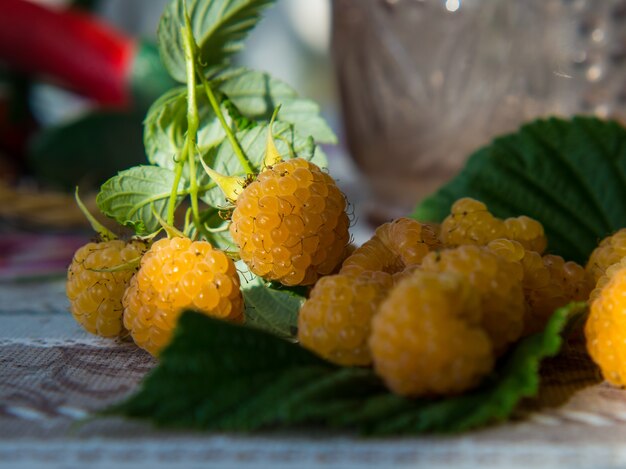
423	83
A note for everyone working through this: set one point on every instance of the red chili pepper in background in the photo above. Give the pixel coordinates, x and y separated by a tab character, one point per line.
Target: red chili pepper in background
70	47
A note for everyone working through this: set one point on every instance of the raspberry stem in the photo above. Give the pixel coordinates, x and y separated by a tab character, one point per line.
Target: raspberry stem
241	156
192	117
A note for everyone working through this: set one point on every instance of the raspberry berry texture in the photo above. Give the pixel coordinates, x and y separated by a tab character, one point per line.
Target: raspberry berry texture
470	222
335	321
395	246
610	250
95	295
291	224
606	325
549	282
177	274
427	337
498	283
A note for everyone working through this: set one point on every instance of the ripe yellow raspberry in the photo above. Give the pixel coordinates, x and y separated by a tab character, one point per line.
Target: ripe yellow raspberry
290	223
528	232
394	246
498	283
470	222
605	330
549	282
427	338
96	296
610	250
335	321
178	274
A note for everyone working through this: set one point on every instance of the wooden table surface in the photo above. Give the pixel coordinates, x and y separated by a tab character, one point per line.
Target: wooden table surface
53	374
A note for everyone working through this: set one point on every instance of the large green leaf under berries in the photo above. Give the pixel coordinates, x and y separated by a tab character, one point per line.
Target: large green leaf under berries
568	174
220	376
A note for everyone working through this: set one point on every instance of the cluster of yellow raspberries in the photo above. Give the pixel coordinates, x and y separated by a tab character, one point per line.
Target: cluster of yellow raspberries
432	307
290	224
429	306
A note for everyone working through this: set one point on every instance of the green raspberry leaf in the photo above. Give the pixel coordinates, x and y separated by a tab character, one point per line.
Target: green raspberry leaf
165	127
132	195
219	28
256	95
220	376
267	307
568	174
253	142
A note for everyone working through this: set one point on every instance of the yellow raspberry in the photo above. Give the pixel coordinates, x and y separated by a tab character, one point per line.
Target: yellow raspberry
498	282
178	274
290	223
528	232
605	329
96	296
610	250
470	222
335	321
427	338
549	282
394	246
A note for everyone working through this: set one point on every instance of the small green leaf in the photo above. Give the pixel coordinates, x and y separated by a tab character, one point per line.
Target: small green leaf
268	308
256	95
165	127
131	196
568	174
253	142
219	376
219	28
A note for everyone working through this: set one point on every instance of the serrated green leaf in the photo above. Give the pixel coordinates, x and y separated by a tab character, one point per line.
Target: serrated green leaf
253	142
568	174
165	127
219	28
130	197
256	95
219	376
268	308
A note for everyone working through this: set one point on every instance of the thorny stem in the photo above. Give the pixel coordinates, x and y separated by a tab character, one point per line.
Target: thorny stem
243	159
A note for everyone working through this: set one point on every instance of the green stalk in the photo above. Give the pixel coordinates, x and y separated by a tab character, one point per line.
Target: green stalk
193	120
178	172
241	156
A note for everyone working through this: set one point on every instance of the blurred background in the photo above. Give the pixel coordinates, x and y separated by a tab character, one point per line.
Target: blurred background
411	87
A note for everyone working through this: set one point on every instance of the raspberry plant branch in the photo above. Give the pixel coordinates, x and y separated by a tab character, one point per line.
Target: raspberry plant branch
98	227
192	116
171	205
241	156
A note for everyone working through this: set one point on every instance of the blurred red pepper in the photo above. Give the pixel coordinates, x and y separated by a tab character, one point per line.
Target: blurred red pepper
76	50
68	46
